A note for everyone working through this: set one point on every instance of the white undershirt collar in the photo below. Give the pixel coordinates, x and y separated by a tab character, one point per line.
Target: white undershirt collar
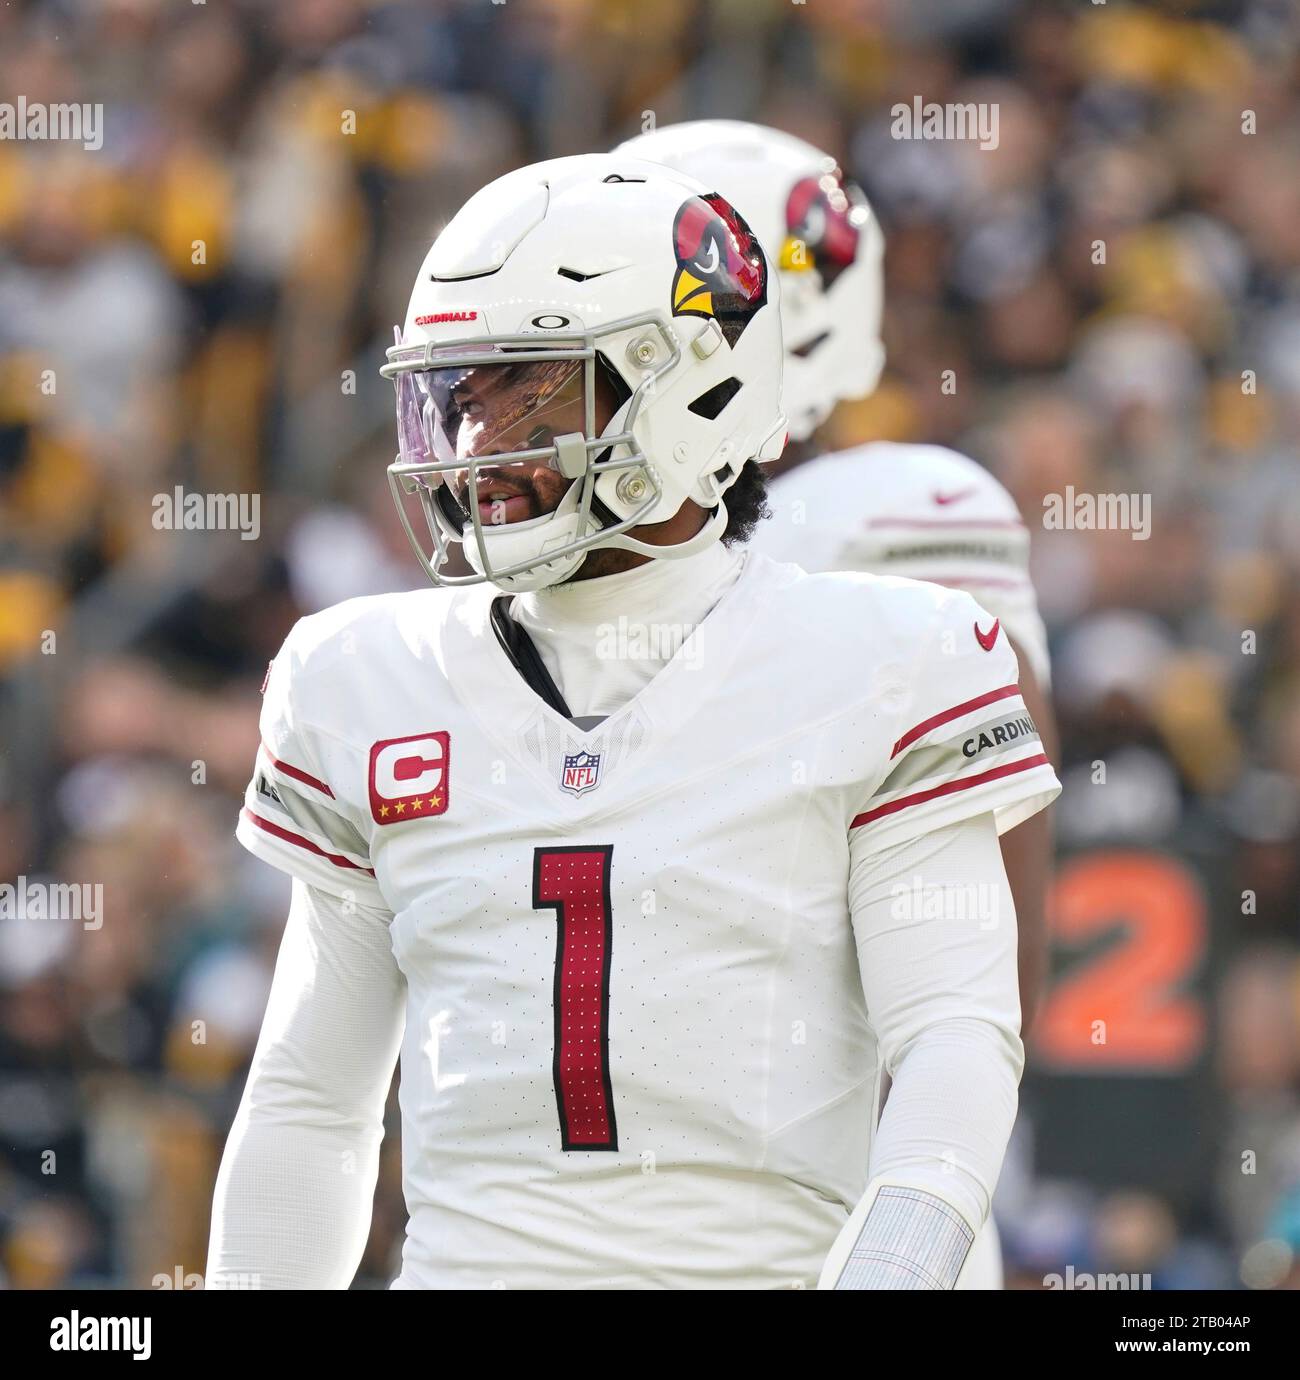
604	640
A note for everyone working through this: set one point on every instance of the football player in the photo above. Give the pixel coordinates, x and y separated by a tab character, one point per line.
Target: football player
923	511
650	854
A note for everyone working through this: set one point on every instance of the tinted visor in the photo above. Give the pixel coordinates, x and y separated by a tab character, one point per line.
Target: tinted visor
464	412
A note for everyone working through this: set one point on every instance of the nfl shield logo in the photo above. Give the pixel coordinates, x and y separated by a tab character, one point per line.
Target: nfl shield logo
581	772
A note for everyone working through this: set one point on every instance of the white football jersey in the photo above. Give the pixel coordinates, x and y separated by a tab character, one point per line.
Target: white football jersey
923	511
637	1050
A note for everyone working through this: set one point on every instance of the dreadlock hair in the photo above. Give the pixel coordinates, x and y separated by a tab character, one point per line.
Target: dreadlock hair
746	502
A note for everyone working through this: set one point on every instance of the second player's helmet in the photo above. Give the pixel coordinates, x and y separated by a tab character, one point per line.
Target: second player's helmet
823	234
607	318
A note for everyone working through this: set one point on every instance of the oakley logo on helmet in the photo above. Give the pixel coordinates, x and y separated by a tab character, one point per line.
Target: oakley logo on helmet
721	273
823	223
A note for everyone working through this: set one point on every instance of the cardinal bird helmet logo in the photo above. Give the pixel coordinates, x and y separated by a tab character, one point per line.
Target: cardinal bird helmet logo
721	271
823	217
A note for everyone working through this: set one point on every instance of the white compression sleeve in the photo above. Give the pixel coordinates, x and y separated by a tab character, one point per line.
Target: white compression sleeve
935	929
296	1186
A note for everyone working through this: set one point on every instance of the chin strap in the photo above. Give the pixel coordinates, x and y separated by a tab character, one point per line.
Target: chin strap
708	534
711	532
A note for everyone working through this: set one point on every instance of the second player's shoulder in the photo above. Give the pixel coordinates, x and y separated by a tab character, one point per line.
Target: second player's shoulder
904	480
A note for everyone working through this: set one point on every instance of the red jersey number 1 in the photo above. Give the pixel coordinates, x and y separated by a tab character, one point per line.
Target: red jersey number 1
574	882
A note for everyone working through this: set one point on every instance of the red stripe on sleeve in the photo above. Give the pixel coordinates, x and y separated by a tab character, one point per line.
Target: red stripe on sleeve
949	788
297	839
955	712
297	773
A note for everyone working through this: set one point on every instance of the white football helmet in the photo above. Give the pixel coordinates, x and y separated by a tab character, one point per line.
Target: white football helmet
582	285
823	235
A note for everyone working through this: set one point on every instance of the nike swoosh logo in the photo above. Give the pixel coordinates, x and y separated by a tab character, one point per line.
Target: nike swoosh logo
944	499
986	640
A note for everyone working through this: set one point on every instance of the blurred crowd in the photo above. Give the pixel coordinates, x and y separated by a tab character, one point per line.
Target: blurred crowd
204	302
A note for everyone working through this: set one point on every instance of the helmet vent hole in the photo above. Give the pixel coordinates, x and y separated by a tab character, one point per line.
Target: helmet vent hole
709	404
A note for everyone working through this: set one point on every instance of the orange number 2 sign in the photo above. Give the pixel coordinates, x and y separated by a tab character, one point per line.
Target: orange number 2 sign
1127	1010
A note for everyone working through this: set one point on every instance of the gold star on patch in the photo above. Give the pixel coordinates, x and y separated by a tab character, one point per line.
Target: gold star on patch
417	804
400	806
383	810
